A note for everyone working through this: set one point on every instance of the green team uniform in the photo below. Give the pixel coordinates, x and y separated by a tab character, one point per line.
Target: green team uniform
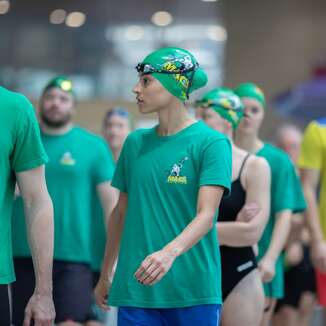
286	193
79	161
162	177
98	236
21	150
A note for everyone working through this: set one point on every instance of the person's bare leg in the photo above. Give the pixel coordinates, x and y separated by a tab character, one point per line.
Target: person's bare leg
94	323
286	316
269	307
306	308
249	295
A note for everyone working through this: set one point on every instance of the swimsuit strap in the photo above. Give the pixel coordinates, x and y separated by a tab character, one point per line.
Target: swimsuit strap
243	164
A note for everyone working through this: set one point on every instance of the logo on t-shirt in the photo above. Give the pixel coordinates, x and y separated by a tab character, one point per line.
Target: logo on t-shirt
175	173
67	159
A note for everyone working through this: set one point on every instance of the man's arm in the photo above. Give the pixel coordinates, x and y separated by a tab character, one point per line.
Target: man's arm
310	180
39	223
114	231
108	197
156	265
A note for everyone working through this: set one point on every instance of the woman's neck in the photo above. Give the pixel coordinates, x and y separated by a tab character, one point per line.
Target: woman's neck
116	153
249	142
173	119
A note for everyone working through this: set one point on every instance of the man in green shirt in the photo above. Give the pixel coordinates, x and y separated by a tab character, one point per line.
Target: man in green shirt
22	160
80	166
171	180
286	194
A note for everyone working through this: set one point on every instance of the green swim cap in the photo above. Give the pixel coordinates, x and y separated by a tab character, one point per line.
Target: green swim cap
224	102
61	82
252	91
176	69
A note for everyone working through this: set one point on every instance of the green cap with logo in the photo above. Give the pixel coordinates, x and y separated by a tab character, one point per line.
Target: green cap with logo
224	102
176	69
62	82
252	91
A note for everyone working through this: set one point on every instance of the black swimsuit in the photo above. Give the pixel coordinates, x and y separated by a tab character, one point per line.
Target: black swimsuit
237	262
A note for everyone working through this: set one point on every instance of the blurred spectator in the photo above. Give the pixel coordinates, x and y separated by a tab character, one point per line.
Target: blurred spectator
116	127
296	308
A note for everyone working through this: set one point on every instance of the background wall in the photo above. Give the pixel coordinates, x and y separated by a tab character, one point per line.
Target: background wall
273	43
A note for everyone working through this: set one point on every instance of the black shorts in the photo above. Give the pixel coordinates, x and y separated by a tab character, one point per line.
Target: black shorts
72	290
96	313
298	279
4	305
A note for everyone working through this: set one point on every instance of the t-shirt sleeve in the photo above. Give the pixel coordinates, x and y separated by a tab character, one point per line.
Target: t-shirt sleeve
287	189
104	164
216	167
311	148
299	202
119	180
28	152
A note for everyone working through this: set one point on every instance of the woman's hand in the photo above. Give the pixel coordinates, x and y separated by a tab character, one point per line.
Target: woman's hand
248	212
155	266
267	269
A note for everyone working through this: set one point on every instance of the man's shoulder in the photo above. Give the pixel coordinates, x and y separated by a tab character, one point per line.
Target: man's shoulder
275	156
14	102
12	97
315	132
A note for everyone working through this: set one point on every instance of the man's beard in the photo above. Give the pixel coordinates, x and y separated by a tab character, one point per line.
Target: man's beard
55	123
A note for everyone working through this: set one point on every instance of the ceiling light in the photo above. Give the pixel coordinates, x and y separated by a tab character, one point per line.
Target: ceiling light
75	19
209	0
58	16
217	33
4	6
162	18
134	33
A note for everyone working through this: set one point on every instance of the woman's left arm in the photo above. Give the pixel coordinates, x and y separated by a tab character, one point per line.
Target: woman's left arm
156	265
247	233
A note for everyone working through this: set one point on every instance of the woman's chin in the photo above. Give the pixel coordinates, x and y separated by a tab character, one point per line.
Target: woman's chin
145	110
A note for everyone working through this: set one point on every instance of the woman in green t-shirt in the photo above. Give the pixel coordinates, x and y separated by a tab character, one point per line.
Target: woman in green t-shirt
242	215
286	194
171	182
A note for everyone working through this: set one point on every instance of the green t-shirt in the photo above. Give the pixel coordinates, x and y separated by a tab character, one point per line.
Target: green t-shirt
21	150
286	193
162	177
79	161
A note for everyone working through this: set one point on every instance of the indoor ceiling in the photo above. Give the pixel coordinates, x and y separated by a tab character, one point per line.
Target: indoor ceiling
118	11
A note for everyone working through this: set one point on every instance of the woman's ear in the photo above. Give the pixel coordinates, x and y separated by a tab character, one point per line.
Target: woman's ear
227	125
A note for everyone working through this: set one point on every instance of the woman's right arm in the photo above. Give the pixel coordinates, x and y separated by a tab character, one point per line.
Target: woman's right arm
257	186
114	231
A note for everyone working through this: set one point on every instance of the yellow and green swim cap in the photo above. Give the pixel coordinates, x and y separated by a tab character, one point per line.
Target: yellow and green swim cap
176	69
224	102
61	82
252	91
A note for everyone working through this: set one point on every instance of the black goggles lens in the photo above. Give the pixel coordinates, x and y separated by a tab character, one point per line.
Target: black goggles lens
146	68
